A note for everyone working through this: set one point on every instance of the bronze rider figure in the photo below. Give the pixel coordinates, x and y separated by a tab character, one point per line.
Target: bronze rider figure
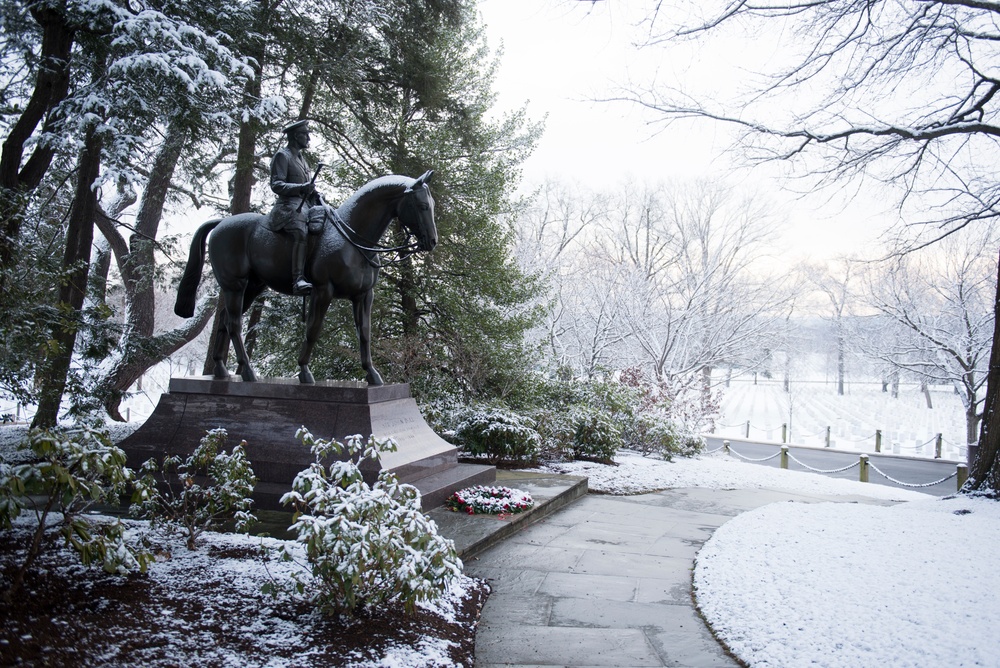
291	181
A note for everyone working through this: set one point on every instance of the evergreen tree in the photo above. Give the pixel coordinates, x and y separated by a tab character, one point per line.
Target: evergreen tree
135	83
453	320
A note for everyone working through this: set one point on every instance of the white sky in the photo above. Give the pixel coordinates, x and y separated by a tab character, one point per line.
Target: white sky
560	54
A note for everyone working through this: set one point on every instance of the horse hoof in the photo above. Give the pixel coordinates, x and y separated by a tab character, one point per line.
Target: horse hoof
221	373
374	379
306	377
248	376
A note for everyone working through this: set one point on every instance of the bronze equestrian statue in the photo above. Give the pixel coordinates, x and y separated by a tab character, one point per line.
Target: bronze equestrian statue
342	260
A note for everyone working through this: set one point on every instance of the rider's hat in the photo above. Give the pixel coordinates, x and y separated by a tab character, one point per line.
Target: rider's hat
294	127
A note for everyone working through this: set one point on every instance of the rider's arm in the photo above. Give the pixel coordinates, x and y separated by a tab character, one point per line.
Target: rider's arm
279	179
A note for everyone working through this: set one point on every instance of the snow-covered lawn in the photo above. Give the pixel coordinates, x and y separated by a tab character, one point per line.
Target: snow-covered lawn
635	474
837	584
908	427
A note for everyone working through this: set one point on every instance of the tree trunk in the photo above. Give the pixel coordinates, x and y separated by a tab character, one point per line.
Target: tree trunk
926	391
841	344
243	178
971	425
706	388
137	266
79	240
129	370
984	473
138	350
971	403
209	367
51	87
250	340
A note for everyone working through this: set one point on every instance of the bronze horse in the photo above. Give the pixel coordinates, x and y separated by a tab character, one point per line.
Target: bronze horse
342	262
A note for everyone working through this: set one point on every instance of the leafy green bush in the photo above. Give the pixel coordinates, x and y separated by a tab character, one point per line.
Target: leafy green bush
596	435
499	435
689	445
652	433
200	493
556	430
366	545
72	470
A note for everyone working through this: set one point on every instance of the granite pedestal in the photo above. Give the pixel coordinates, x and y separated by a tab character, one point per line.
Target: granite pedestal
266	414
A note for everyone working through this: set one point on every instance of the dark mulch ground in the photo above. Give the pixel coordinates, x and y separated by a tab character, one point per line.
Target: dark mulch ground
206	609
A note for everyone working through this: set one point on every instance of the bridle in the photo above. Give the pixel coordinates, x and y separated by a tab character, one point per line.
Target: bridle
373	252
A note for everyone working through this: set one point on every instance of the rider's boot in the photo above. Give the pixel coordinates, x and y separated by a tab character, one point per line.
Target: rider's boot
300	286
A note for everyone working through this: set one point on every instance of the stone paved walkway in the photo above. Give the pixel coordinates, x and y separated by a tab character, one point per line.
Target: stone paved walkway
606	581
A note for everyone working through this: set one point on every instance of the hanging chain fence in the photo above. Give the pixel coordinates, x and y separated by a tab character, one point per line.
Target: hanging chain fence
750	459
815	470
915	447
859	440
908	484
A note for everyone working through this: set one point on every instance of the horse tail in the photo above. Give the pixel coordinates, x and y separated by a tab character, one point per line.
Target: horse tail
187	291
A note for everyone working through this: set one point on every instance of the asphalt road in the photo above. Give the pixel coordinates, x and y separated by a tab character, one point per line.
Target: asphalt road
908	470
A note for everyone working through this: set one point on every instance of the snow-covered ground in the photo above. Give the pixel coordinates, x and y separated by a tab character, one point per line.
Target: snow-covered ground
837	584
827	584
908	427
635	474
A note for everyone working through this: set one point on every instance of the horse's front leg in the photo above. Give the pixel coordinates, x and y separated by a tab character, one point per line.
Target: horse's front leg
319	302
363	323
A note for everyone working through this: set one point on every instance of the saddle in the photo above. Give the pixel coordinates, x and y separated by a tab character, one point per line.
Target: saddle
315	222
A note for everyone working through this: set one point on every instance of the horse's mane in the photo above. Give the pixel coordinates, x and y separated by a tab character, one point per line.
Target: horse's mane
390	182
394	183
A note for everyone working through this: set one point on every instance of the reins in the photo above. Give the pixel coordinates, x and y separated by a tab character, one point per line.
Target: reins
405	250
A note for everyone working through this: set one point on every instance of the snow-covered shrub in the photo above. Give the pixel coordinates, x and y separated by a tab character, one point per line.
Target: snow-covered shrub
499	435
596	434
653	432
200	493
366	545
690	445
556	429
72	469
686	403
443	414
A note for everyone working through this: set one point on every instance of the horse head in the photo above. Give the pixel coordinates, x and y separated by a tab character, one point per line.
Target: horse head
416	212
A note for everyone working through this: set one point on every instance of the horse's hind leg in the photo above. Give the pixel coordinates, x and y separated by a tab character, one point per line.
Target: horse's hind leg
221	350
233	301
363	323
253	291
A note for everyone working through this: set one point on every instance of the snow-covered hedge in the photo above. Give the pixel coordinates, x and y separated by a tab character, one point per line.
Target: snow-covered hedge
567	419
365	544
499	435
596	435
651	432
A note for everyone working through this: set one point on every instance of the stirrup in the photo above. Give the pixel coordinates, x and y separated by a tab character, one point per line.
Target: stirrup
301	287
